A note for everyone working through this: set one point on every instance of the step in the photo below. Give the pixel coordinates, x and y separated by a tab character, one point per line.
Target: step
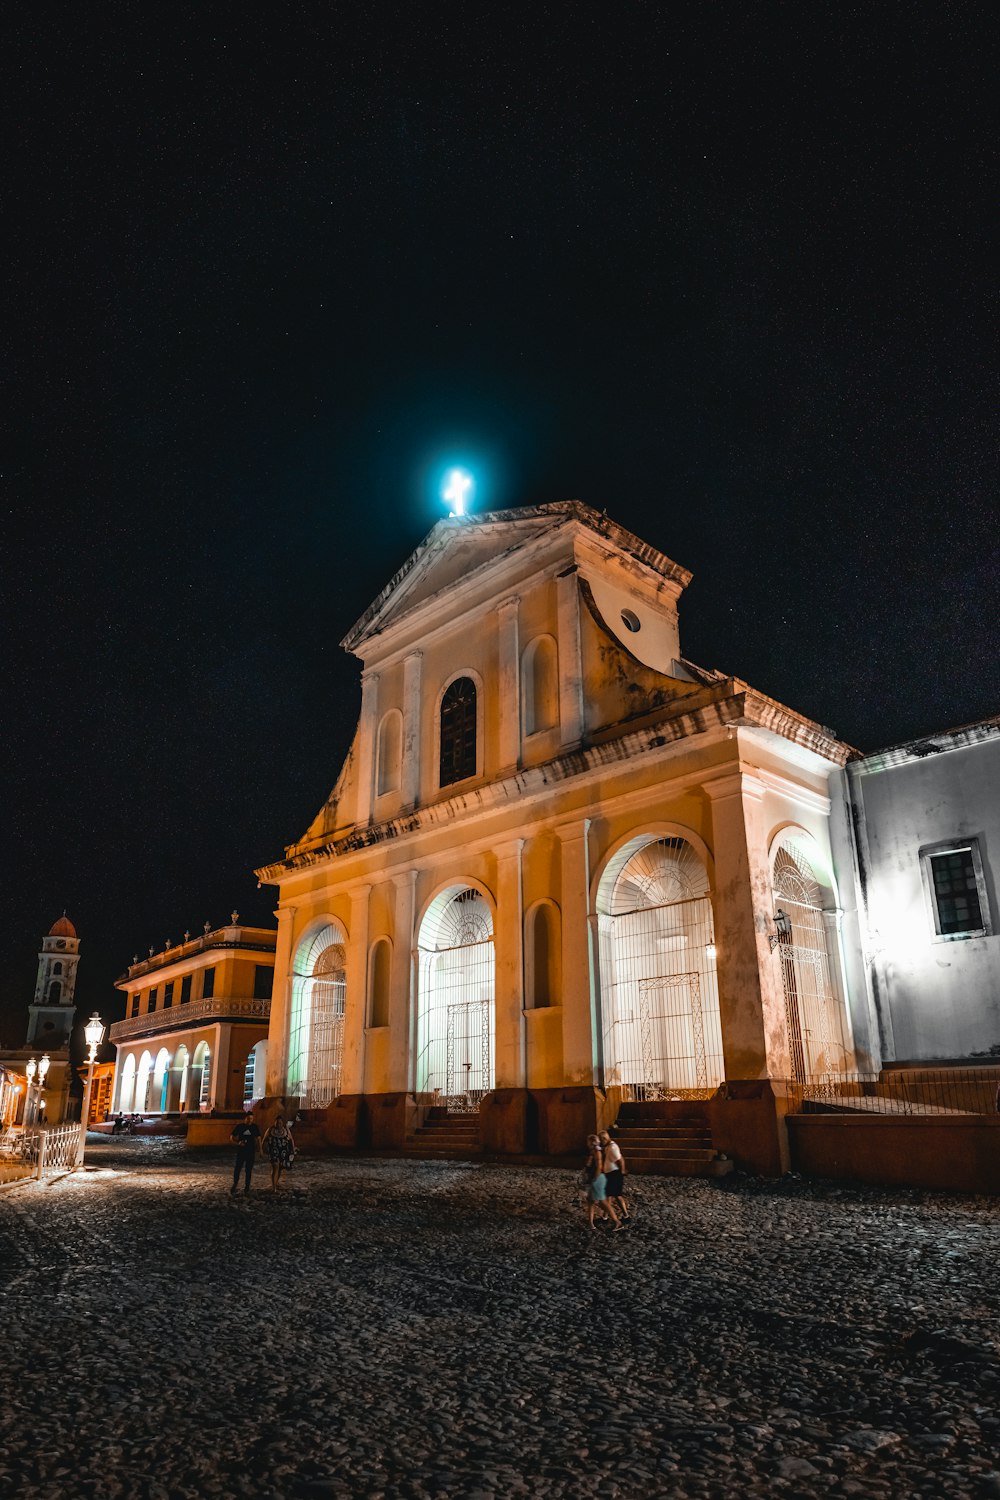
642	1132
659	1167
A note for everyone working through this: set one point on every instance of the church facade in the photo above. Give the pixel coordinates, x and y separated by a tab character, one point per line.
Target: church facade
562	868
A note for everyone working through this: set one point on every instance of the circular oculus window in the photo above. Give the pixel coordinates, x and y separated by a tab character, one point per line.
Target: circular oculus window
631	621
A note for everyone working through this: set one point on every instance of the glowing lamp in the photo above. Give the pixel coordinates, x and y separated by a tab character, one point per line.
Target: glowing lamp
31	1067
43	1067
710	951
456	491
94	1034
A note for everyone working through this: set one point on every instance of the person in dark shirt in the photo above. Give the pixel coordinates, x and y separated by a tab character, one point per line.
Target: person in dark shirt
247	1138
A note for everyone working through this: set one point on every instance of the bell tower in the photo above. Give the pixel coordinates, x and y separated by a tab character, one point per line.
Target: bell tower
50	1017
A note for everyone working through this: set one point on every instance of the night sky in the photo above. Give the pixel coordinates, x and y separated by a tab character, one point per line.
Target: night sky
720	269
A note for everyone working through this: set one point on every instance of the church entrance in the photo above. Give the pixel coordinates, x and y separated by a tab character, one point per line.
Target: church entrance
456	1016
662	1032
316	1024
816	1019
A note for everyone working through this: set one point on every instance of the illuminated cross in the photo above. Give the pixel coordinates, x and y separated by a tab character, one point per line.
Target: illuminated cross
459	485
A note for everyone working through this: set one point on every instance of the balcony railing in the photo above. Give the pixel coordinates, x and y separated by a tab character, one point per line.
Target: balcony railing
191	1013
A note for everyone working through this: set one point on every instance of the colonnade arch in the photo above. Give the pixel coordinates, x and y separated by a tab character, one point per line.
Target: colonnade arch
456	999
660	1021
126	1085
142	1078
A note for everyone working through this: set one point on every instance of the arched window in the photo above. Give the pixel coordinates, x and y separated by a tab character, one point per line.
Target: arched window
389	750
378	984
161	1081
55	992
539	686
57	968
316	1022
458	731
542	954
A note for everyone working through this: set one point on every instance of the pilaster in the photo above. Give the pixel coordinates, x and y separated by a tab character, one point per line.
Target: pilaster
352	1063
578	990
509	684
277	1030
410	780
570	660
751	998
402	996
367	730
509	946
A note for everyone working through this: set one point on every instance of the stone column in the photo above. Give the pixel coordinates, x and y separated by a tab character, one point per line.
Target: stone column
402	996
509	1070
570	660
221	1090
352	1063
277	1029
367	730
410	777
509	685
751	998
578	990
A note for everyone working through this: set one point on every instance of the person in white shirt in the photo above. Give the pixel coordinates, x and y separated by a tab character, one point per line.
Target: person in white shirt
614	1172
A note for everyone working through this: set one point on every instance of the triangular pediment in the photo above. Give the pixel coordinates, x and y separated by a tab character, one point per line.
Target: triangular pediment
459	548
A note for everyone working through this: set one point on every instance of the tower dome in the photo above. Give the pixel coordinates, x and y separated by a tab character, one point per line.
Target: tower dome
62	928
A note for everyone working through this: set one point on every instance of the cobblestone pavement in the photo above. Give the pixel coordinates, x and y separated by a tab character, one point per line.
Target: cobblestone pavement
408	1329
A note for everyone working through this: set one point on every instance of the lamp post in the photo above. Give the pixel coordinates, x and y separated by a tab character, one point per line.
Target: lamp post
94	1034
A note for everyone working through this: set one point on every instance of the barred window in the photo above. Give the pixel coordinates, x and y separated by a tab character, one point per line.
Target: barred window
458	732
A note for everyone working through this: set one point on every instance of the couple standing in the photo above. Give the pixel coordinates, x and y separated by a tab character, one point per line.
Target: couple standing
277	1144
605	1173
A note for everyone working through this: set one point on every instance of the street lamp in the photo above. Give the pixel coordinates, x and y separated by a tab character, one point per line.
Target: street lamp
94	1034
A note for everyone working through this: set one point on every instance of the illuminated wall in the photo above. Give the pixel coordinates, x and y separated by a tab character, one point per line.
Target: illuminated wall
927	816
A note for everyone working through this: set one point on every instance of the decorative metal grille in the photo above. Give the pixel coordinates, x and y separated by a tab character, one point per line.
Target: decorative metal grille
662	1030
316	1023
818	1040
456	1027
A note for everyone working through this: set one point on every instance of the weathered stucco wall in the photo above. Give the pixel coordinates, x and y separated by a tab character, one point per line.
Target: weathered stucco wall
937	999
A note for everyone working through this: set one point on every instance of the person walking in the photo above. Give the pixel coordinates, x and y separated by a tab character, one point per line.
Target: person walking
247	1138
597	1195
614	1174
280	1149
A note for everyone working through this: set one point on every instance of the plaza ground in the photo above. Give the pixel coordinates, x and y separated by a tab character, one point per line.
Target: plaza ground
405	1329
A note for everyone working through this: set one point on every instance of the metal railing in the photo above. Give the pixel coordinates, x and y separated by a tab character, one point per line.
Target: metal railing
926	1092
190	1013
34	1150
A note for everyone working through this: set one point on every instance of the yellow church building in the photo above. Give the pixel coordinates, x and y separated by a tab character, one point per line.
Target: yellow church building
565	877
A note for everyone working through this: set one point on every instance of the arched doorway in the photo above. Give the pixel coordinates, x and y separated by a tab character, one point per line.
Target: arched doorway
177	1092
254	1074
199	1089
126	1085
316	1019
456	1013
661	1030
142	1083
161	1081
819	1038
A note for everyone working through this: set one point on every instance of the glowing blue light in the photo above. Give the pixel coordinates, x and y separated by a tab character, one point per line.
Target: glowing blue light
458	485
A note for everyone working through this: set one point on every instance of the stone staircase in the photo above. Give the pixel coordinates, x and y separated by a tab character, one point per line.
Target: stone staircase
657	1140
445	1137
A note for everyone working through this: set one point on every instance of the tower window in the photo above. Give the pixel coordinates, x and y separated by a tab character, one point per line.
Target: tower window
185	989
263	980
168	995
55	992
208	984
135	1005
152	1002
458	732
